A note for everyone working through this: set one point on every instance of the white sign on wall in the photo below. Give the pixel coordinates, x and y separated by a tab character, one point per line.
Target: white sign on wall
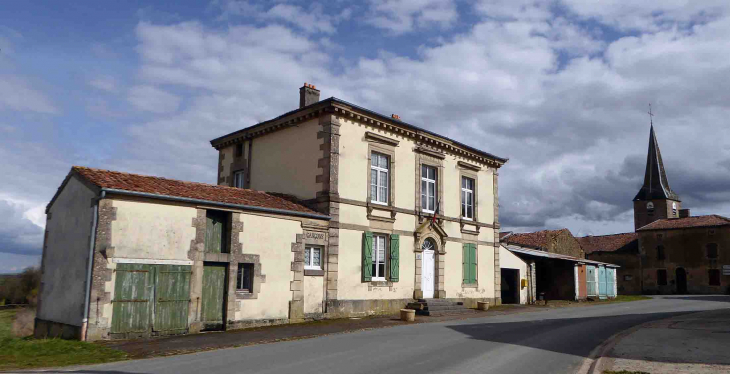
725	269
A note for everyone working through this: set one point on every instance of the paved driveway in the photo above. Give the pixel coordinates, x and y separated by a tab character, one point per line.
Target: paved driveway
552	341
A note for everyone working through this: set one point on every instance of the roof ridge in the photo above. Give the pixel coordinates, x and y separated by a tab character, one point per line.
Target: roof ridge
598	236
76	167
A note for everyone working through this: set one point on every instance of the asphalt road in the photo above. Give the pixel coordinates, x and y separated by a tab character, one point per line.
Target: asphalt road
550	341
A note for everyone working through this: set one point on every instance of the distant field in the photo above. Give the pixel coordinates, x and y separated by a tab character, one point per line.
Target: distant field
26	353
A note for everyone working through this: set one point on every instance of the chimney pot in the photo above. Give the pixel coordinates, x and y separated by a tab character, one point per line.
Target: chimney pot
683	213
308	95
395	116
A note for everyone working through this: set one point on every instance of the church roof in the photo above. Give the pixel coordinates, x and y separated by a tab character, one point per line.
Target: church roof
712	220
157	187
610	243
656	185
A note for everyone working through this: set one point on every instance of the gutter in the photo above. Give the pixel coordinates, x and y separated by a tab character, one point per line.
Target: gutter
217	203
89	267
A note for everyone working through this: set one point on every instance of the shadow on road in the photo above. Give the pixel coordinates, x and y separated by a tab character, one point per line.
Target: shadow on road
717	298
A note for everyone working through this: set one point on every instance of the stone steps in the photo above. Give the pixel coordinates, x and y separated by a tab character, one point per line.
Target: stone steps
438	307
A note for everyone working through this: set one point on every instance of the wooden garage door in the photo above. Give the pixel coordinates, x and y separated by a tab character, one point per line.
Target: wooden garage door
602	282
172	298
131	306
137	285
591	280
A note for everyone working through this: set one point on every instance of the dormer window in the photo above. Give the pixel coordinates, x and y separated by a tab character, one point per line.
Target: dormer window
238	178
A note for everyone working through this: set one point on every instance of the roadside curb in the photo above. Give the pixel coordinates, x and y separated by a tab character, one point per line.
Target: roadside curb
597	362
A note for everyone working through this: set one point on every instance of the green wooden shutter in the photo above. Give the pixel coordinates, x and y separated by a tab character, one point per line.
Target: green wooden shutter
472	263
465	263
394	257
367	256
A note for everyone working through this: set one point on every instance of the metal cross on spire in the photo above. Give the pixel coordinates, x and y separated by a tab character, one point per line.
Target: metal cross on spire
651	116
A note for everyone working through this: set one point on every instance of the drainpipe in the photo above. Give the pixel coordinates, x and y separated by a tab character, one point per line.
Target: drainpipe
89	267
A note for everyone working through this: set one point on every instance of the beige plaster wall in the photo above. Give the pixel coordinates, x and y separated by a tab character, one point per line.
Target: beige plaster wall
149	230
454	272
286	161
271	239
313	294
66	256
350	285
508	260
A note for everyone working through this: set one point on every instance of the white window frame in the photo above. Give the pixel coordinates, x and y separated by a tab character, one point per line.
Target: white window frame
309	257
381	197
377	258
239	178
424	191
468	209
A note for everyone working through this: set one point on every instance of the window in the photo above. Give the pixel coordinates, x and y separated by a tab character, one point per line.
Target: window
239	150
661	277
313	258
467	198
238	178
378	257
428	189
244	279
469	263
714	277
712	250
660	252
378	178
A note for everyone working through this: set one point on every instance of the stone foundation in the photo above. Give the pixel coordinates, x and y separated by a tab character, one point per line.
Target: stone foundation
49	329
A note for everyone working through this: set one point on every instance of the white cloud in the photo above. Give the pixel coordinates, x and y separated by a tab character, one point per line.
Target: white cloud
153	99
104	83
312	19
18	94
402	16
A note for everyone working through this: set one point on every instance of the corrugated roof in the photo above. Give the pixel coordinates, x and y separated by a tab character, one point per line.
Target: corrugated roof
191	190
711	220
609	243
538	253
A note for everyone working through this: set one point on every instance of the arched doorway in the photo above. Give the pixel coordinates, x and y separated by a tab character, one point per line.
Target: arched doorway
681	281
428	279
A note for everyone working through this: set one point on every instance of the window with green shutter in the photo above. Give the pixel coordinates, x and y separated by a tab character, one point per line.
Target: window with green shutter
394	257
367	256
469	263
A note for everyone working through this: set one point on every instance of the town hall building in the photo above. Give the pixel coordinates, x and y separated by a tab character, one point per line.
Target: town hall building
330	210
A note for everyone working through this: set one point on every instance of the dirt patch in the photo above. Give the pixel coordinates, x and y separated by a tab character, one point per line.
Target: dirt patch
23	323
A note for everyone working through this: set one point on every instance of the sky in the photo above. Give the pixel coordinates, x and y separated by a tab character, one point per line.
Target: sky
561	88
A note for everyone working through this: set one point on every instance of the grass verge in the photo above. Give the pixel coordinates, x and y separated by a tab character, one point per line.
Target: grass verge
26	353
625	298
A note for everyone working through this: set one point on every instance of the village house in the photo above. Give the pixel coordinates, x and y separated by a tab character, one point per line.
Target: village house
362	214
670	251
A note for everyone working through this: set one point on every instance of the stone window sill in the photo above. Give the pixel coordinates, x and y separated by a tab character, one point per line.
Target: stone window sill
381	284
243	295
469	285
314	272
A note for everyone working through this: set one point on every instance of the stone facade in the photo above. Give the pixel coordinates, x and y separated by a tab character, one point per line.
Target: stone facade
685	250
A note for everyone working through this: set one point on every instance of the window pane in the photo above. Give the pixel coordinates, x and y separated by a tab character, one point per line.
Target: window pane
381	269
315	257
374	159
424	172
463	210
470	184
431	189
239	277
432	173
469	198
431	204
373	184
383	198
423	195
307	258
383	162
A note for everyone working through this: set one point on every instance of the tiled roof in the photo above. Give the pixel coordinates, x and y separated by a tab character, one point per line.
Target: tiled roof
191	190
686	223
608	243
537	239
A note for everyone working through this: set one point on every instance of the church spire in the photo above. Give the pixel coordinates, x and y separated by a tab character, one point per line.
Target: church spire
656	185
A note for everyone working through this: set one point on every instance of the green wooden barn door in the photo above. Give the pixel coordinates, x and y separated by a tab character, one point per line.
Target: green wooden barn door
172	298
214	287
131	303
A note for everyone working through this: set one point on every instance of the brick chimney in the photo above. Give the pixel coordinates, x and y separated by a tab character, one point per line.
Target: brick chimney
308	95
683	213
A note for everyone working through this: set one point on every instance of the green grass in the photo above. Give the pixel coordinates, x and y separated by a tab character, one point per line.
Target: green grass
25	353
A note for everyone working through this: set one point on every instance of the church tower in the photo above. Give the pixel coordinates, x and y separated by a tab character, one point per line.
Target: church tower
655	199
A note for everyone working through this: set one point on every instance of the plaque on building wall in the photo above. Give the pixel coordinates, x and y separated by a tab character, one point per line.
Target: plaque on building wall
725	269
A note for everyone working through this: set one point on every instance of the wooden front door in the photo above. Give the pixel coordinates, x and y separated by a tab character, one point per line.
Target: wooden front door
212	312
427	273
591	281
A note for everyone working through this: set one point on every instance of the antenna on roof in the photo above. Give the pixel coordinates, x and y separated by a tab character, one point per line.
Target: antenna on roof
651	119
